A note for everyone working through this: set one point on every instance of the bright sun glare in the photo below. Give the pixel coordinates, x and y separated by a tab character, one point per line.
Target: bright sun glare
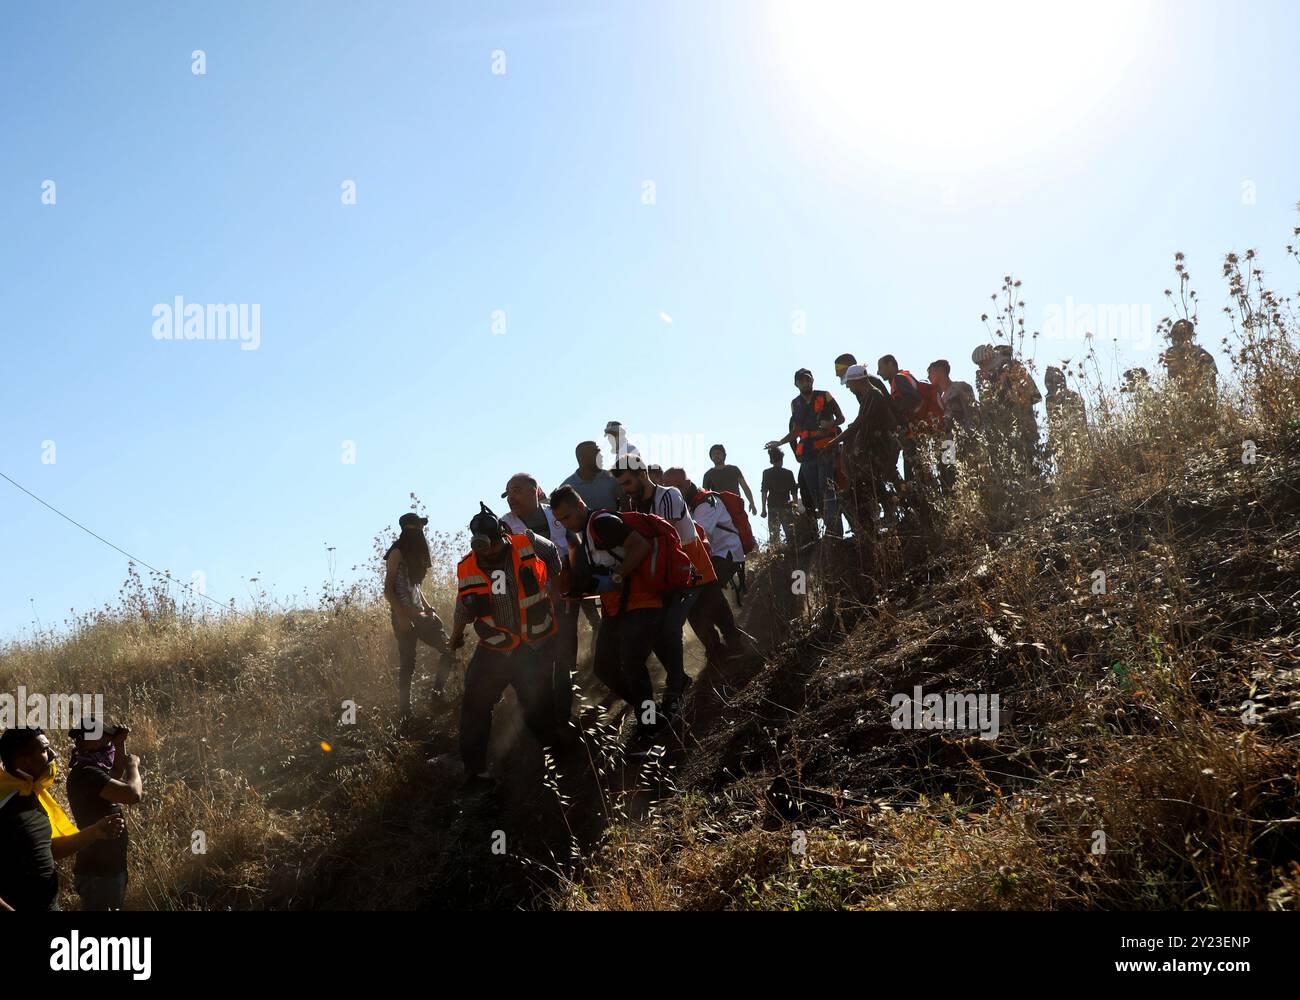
967	83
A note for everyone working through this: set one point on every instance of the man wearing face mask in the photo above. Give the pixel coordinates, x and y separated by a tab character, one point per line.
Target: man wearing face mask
503	590
102	777
34	831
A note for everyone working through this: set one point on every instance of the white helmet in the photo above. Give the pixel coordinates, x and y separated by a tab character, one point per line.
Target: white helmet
983	354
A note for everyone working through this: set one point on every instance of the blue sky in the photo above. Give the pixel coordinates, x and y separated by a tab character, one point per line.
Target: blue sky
871	171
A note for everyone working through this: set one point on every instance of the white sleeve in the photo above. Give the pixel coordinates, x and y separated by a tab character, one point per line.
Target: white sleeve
708	515
673	509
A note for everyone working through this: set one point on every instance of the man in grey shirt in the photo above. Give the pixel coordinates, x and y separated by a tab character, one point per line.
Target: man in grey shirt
598	489
956	398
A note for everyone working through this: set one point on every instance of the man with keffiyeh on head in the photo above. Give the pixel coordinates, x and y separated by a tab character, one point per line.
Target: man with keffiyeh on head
34	831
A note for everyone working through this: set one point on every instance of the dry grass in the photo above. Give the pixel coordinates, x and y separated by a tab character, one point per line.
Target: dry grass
228	713
1124	709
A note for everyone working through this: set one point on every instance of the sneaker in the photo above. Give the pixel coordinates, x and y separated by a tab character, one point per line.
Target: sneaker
476	785
673	697
646	739
742	644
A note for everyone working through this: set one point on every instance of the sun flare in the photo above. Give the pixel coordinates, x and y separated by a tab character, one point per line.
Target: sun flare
970	83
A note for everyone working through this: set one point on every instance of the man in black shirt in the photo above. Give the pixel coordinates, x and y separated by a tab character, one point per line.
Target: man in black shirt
614	564
871	447
102	777
779	494
34	832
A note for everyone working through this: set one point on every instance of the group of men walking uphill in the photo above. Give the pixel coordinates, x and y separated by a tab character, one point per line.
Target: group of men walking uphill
637	551
654	552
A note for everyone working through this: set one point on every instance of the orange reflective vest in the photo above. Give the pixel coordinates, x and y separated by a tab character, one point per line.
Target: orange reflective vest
474	586
817	437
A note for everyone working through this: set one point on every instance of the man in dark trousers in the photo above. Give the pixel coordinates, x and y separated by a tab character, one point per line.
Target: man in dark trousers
528	514
711	618
615	563
102	777
871	446
503	591
815	421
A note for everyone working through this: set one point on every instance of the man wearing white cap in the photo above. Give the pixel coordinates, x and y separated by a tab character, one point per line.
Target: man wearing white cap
871	447
846	361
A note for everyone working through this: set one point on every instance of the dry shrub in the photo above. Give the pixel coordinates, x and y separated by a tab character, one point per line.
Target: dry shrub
230	711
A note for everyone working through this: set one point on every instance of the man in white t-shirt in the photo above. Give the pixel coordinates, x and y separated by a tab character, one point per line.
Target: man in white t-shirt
711	618
646	498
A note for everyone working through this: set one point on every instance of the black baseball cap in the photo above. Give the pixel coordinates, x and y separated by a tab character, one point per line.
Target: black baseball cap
526	477
411	520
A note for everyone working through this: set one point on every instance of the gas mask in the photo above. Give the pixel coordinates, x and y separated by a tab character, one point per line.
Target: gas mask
485	530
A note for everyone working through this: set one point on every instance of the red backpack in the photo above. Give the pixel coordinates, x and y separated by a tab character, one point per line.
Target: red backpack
736	508
931	409
667	567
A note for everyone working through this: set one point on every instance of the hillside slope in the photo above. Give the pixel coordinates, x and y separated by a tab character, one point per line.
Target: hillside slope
1128	712
1145	754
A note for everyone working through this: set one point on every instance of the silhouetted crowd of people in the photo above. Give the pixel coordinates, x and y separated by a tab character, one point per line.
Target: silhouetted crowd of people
636	551
641	552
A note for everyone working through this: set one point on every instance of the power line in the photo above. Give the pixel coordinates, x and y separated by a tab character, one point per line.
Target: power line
118	548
